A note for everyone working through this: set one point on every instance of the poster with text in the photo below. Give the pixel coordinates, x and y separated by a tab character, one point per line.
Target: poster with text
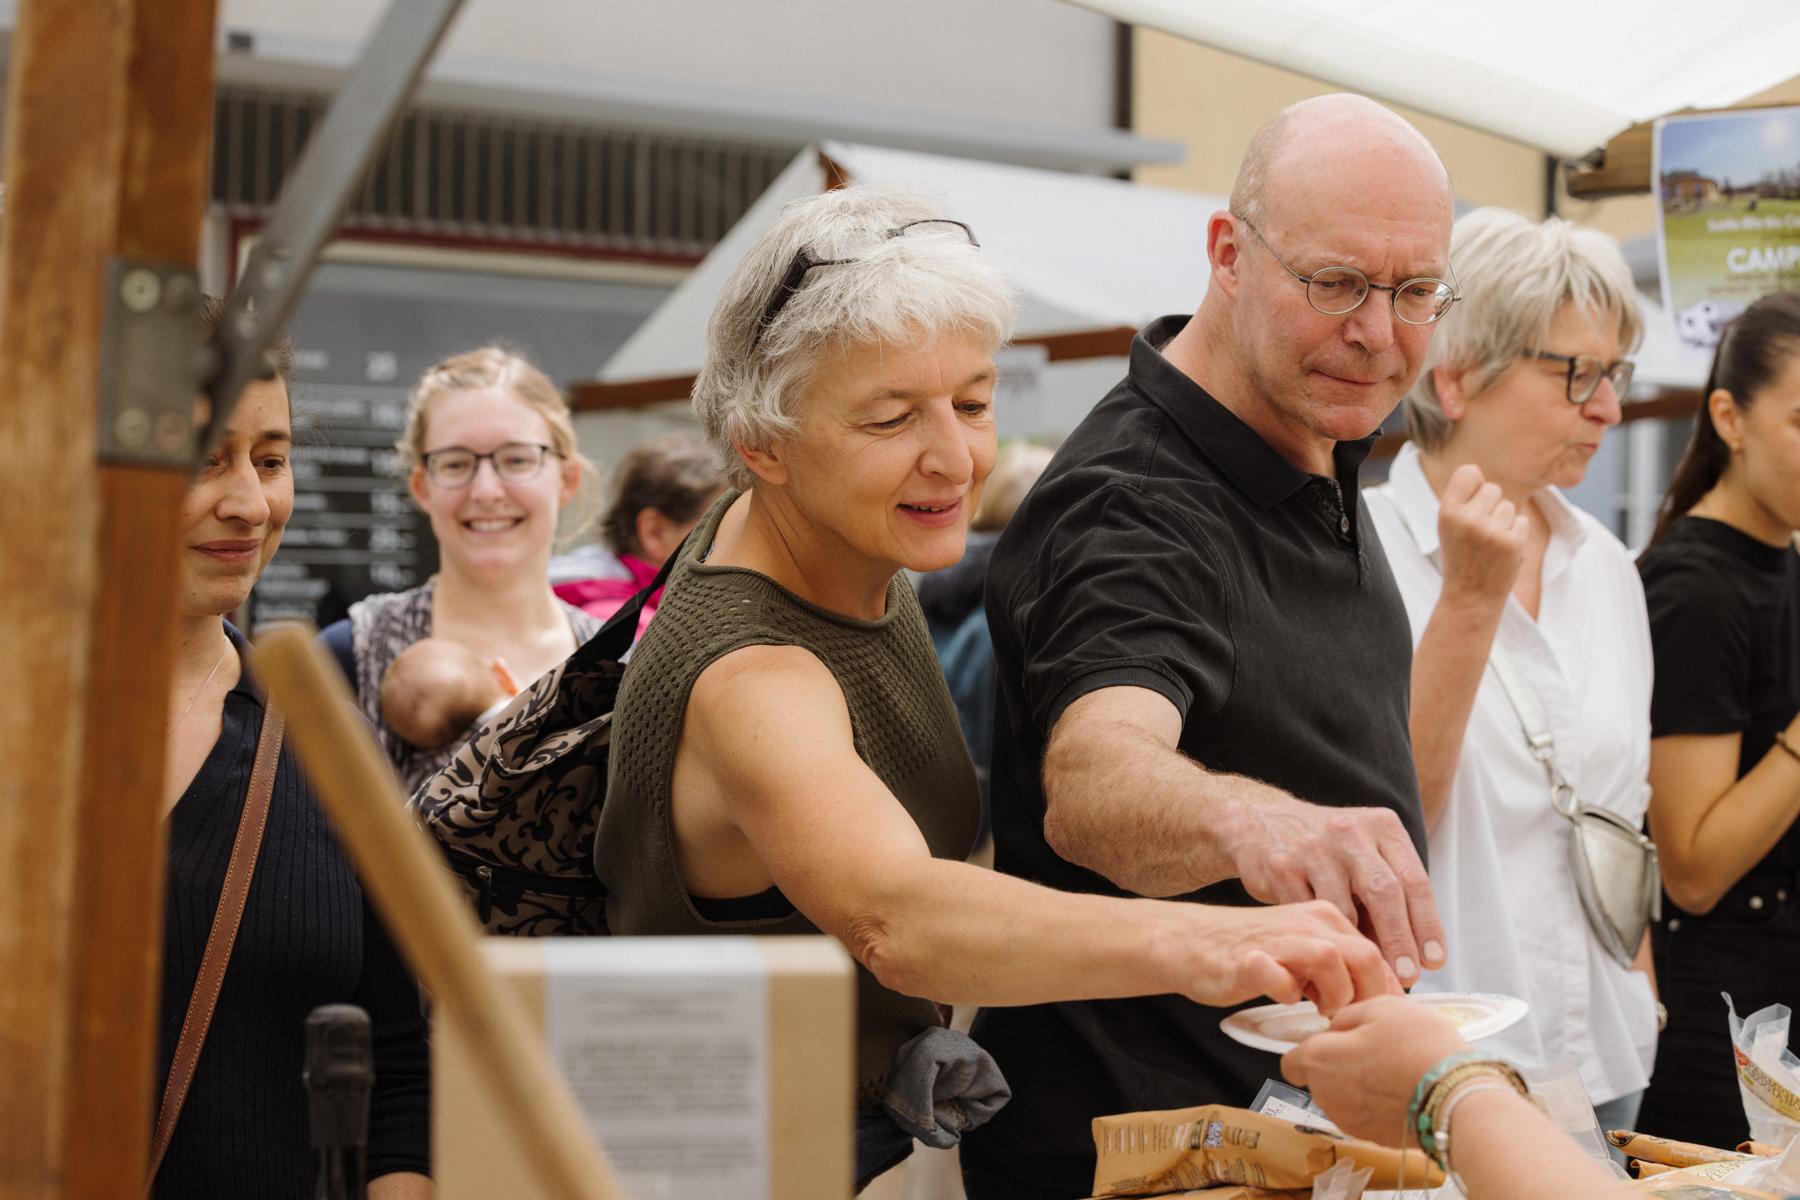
1728	196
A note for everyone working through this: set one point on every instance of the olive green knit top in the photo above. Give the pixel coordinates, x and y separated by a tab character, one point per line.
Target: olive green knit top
902	721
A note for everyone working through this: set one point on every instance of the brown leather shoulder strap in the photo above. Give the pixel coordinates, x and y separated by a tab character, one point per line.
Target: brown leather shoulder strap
230	913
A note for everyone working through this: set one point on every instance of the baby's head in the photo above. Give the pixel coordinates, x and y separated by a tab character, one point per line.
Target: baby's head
435	689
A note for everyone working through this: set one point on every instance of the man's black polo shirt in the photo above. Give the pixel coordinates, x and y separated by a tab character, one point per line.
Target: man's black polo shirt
1169	547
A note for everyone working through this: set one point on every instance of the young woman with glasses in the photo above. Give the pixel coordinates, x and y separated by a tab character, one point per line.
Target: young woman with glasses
494	465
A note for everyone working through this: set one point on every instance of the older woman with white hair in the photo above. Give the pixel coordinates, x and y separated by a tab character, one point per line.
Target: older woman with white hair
1498	568
785	756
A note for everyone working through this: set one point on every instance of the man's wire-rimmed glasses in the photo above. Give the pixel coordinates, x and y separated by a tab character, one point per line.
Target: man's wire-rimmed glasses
805	260
1586	372
455	466
1335	291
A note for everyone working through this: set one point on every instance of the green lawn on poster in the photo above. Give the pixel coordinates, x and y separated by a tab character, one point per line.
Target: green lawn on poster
1697	252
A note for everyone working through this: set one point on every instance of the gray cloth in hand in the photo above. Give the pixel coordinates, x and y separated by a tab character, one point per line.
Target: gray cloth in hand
942	1086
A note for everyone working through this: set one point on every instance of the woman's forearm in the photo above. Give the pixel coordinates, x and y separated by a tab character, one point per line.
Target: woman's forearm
956	933
1446	675
1505	1149
1733	833
400	1185
959	934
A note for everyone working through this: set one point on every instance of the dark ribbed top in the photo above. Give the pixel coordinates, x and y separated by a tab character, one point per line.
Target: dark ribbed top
307	939
901	718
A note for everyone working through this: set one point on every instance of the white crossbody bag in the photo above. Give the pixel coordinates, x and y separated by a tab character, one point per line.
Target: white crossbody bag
1614	863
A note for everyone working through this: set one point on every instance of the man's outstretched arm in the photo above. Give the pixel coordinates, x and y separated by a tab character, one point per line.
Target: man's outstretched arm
1122	801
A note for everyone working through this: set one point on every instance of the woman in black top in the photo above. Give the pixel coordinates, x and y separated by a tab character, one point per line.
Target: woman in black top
1722	579
307	937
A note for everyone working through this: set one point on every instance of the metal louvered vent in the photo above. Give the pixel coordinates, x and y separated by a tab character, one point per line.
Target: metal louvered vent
506	178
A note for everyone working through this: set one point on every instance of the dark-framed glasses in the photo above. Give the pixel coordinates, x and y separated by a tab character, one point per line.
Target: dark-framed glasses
1586	372
1335	291
805	260
455	466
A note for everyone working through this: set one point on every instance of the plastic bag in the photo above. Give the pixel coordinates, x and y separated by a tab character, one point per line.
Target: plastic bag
1345	1181
1768	1073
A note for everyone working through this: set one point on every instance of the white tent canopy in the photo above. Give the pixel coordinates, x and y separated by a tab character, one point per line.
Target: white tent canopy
1084	253
1562	77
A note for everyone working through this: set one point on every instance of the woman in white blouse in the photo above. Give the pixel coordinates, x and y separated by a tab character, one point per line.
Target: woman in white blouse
1522	385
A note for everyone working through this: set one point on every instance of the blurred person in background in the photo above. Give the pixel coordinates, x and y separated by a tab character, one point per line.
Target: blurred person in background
494	465
659	492
952	602
307	935
1520	389
785	758
1722	579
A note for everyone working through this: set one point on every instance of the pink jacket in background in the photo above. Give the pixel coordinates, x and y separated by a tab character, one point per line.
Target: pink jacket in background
601	598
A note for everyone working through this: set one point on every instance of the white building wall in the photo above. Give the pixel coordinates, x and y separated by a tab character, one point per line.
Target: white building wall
1033	61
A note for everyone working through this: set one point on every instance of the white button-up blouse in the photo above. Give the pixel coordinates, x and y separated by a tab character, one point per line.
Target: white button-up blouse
1500	865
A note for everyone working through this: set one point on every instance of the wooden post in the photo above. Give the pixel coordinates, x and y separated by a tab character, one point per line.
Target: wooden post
108	145
401	871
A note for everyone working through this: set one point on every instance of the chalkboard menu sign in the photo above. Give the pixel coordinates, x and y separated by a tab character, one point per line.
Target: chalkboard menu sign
363	335
355	530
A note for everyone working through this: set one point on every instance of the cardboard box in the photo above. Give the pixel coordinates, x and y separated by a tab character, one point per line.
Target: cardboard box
708	1066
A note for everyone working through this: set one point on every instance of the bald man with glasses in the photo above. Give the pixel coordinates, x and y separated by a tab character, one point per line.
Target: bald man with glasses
1202	656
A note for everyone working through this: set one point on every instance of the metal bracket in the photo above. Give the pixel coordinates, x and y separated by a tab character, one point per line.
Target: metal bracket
315	196
152	365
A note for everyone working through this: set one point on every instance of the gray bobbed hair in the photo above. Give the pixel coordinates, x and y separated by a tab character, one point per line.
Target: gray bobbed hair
929	282
1515	275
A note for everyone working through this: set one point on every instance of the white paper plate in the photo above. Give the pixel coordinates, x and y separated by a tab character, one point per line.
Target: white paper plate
1278	1028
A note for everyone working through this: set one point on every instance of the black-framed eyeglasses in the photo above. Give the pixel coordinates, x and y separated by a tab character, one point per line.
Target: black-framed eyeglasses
1335	291
455	466
1586	372
805	260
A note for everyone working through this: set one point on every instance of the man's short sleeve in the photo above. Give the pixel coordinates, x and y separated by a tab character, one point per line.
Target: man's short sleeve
1117	590
1700	628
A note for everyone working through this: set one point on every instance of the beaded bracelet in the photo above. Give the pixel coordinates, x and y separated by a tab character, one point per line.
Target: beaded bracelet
1415	1121
1432	1120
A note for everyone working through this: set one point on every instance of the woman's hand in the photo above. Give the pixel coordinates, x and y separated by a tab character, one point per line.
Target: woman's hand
1482	536
1287	952
1364	1069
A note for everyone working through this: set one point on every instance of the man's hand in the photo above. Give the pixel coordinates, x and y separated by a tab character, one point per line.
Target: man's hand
1482	535
1288	953
1359	860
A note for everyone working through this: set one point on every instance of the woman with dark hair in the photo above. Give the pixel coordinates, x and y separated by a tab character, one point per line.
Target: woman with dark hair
660	492
1722	581
232	1120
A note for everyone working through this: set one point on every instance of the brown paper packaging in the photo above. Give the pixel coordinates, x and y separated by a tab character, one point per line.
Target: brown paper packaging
1235	1193
1669	1153
1156	1153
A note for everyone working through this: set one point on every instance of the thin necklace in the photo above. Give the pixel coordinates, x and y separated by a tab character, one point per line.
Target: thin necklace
198	692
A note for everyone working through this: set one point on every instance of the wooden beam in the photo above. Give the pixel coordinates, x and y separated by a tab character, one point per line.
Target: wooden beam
590	395
108	144
1622	166
1089	343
